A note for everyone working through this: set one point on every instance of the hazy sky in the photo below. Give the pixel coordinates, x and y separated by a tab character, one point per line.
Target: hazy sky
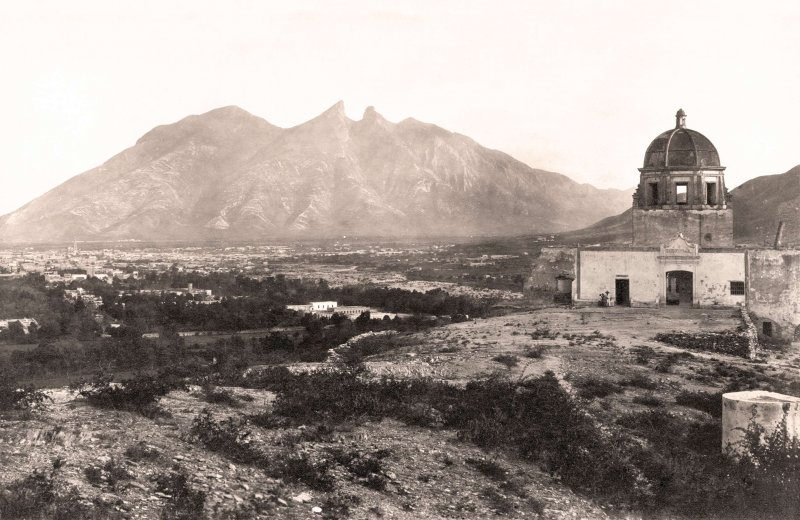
576	87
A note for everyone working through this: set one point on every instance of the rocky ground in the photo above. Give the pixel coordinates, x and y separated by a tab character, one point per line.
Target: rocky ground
428	473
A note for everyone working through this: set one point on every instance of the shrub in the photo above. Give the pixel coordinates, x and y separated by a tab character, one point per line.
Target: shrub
666	363
139	394
337	506
142	451
216	395
703	401
267	378
508	360
539	420
366	467
94	475
489	468
592	387
231	437
596	337
185	502
640	381
648	399
28	497
110	473
21	399
695	480
774	456
298	467
333	397
535	418
544	333
499	502
643	354
42	495
536	351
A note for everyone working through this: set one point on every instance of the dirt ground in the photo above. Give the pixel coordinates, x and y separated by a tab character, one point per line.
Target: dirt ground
429	472
465	351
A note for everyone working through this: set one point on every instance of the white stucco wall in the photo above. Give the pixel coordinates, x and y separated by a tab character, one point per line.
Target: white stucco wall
646	272
714	273
598	271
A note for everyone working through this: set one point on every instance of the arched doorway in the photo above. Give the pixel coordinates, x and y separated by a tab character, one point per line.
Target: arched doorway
679	288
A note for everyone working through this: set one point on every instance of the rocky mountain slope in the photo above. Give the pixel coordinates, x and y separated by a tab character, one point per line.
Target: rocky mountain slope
758	205
228	174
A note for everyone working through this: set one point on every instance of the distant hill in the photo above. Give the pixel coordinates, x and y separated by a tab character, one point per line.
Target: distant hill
758	205
228	174
617	229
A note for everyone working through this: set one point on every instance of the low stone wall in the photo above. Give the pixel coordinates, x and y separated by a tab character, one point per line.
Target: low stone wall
335	354
541	286
726	342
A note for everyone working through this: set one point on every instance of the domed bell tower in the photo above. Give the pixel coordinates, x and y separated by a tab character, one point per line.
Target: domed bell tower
682	190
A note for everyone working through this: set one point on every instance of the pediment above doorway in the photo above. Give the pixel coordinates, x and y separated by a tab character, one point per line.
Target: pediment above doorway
679	249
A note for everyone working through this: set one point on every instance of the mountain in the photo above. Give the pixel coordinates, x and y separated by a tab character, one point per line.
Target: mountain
760	203
758	206
229	174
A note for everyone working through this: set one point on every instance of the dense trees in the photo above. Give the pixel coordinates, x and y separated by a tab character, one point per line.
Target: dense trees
29	297
266	305
69	340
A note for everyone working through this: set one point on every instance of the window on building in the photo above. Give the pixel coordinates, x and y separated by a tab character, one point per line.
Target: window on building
711	193
681	193
737	288
652	194
766	328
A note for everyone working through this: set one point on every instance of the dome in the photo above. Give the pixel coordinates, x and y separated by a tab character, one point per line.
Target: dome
681	148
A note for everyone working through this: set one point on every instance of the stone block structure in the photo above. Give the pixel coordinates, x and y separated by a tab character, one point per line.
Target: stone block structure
767	410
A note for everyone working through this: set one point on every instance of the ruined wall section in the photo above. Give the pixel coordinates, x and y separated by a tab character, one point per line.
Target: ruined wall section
540	287
774	290
707	227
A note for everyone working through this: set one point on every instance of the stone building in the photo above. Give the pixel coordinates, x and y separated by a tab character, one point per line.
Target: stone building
681	250
682	189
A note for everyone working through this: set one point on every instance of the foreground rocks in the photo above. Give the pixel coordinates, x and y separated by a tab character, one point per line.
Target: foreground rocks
127	466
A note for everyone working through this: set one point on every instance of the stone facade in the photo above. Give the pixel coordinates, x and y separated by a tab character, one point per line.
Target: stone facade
710	228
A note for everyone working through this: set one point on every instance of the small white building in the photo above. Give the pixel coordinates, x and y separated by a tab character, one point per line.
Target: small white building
323	306
25	322
328	309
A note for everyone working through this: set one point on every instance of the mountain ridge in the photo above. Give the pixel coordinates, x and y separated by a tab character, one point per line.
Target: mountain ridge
229	174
